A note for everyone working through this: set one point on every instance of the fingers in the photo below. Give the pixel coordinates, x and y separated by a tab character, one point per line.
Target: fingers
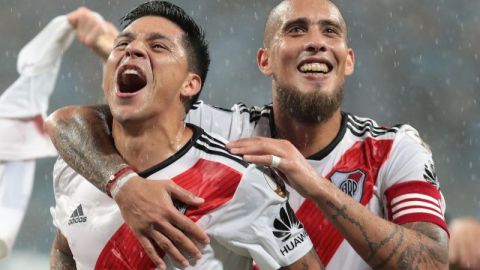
265	160
151	252
258	146
169	248
180	194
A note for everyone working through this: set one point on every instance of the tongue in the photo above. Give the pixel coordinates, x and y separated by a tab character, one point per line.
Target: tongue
131	83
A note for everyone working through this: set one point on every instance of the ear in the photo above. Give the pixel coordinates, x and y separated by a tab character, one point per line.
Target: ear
263	62
192	85
350	63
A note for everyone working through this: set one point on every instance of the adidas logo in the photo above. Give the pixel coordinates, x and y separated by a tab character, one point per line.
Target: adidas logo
77	216
286	225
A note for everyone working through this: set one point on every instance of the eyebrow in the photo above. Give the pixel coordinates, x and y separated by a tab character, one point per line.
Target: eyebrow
150	36
305	21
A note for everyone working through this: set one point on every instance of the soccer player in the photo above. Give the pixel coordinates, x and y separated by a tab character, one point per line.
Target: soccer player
367	195
153	75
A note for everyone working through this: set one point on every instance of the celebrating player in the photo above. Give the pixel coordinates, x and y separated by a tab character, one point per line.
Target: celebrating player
156	69
367	195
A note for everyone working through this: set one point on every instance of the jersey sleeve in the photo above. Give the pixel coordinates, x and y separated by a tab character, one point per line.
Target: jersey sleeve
410	187
231	124
61	188
259	223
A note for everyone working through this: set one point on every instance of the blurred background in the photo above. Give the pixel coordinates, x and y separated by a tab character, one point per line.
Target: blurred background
416	62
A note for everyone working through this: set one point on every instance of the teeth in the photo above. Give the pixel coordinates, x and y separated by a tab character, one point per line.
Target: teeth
314	67
130	72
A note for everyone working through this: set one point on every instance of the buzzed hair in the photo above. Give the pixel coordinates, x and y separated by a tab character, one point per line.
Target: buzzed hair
274	19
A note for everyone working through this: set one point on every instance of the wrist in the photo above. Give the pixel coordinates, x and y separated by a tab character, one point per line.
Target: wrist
118	179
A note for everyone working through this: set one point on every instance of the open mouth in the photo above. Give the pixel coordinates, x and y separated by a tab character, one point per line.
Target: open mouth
131	79
315	68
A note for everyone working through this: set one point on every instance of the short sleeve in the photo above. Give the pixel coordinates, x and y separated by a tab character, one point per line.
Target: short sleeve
62	176
409	182
259	223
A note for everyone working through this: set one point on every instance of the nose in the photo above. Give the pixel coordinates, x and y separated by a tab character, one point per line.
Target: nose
316	43
135	50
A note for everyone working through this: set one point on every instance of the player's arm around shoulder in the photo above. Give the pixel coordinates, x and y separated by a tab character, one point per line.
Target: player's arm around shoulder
61	257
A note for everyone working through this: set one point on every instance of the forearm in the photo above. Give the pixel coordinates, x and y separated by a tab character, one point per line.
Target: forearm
383	244
310	261
82	138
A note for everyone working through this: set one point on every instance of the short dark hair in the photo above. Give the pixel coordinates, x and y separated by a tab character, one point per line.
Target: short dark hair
194	39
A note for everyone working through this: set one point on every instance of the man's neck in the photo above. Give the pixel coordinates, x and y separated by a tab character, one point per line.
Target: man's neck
307	138
146	144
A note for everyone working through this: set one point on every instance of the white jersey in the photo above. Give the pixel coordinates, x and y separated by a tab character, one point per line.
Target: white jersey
244	213
389	170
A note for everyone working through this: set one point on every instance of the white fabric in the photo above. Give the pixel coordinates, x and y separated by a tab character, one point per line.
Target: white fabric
23	107
24	104
16	182
405	161
240	229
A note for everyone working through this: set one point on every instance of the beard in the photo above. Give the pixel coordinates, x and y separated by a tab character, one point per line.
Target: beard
308	108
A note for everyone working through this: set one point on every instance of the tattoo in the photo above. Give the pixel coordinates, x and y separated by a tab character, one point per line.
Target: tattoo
419	254
423	252
384	263
84	142
309	261
373	247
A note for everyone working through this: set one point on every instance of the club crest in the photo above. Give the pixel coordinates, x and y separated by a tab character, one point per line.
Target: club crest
351	183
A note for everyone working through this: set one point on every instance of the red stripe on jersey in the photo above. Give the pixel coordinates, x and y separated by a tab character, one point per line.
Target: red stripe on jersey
433	196
367	156
213	181
123	251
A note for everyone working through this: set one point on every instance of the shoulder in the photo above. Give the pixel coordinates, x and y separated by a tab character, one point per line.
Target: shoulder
254	112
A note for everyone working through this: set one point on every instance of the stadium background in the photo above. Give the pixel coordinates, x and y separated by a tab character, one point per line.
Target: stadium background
416	62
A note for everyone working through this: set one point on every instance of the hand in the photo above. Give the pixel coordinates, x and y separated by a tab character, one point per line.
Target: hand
92	31
147	208
464	252
299	173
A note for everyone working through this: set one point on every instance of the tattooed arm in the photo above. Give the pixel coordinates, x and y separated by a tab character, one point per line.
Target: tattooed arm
82	138
308	262
61	257
381	243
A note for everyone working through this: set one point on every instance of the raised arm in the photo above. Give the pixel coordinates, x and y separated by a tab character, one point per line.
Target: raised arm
82	138
381	243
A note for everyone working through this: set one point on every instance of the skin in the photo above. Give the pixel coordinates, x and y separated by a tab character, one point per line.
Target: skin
149	123
315	31
61	257
464	250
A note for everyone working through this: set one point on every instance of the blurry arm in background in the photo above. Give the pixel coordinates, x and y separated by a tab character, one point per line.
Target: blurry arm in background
61	257
464	250
81	135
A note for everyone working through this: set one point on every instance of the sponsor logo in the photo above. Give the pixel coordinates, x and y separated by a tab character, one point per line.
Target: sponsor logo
351	183
429	175
77	216
286	225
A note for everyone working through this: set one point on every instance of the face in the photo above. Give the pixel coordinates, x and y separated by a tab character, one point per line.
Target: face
147	71
306	51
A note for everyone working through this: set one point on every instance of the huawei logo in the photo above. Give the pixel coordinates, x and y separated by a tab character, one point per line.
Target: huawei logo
286	224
